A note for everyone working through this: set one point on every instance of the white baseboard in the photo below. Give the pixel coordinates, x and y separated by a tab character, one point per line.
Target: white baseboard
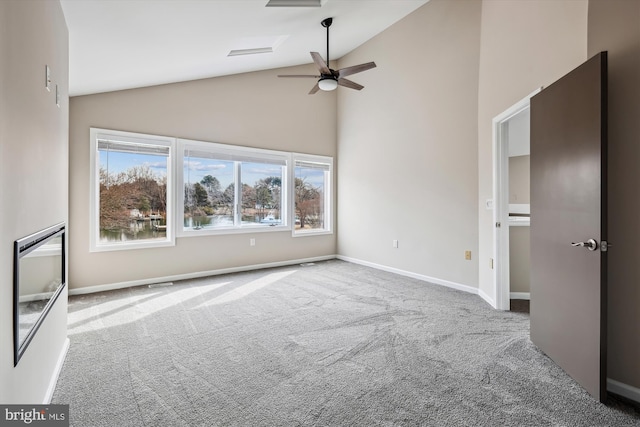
623	390
520	295
442	282
154	280
487	298
56	373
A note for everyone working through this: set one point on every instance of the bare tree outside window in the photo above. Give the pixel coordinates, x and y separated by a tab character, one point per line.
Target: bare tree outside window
310	192
133	194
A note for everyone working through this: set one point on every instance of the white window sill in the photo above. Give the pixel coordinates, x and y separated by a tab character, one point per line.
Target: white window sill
312	233
132	246
226	231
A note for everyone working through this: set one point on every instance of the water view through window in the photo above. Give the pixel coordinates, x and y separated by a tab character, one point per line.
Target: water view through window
138	182
211	193
133	192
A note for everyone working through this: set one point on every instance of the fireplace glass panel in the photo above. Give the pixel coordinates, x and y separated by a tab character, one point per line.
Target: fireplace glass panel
38	280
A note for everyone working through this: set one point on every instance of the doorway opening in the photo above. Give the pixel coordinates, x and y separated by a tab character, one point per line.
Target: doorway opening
511	206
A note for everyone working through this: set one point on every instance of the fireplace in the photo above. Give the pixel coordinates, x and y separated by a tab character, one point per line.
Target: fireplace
38	281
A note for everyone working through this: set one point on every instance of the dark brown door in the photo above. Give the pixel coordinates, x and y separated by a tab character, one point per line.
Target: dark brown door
569	223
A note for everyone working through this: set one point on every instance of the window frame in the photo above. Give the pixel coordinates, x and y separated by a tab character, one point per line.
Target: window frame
97	134
237	154
328	194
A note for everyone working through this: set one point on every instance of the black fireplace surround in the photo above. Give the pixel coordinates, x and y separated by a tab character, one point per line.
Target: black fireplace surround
38	281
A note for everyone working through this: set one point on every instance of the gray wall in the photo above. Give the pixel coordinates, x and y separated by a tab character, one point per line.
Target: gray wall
614	25
519	179
519	259
33	176
519	236
407	151
253	109
524	45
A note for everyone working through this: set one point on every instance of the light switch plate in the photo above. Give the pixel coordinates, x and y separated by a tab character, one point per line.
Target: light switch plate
47	76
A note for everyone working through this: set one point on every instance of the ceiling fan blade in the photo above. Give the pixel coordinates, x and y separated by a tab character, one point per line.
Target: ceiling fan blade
298	75
344	72
349	84
322	66
314	89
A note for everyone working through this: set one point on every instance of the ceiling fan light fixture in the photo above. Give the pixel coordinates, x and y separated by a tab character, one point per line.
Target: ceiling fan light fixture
328	84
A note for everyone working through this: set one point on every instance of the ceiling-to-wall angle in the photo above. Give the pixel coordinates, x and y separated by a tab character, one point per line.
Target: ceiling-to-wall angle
330	79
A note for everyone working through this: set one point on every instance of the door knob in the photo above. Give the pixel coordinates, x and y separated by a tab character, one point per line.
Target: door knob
590	244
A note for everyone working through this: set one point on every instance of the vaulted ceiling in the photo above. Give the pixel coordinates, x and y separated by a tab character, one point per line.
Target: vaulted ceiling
122	44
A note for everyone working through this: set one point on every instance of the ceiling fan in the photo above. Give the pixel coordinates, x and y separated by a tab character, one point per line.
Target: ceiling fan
330	79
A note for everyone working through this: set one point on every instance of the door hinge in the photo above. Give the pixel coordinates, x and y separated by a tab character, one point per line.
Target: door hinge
498	225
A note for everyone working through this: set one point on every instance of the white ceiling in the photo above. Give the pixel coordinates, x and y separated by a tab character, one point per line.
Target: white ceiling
122	44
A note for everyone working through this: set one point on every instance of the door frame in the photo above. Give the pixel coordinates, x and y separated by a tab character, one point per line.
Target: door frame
501	288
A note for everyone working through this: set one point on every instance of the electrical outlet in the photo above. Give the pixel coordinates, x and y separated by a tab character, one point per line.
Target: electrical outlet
467	255
252	242
395	244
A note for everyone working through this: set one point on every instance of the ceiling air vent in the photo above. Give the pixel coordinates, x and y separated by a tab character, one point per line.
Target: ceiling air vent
255	45
294	3
252	51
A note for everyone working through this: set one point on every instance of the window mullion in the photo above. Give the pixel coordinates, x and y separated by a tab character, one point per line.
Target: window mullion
238	195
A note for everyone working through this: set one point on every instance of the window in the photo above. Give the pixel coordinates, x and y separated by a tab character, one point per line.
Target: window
131	186
138	182
312	194
226	188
